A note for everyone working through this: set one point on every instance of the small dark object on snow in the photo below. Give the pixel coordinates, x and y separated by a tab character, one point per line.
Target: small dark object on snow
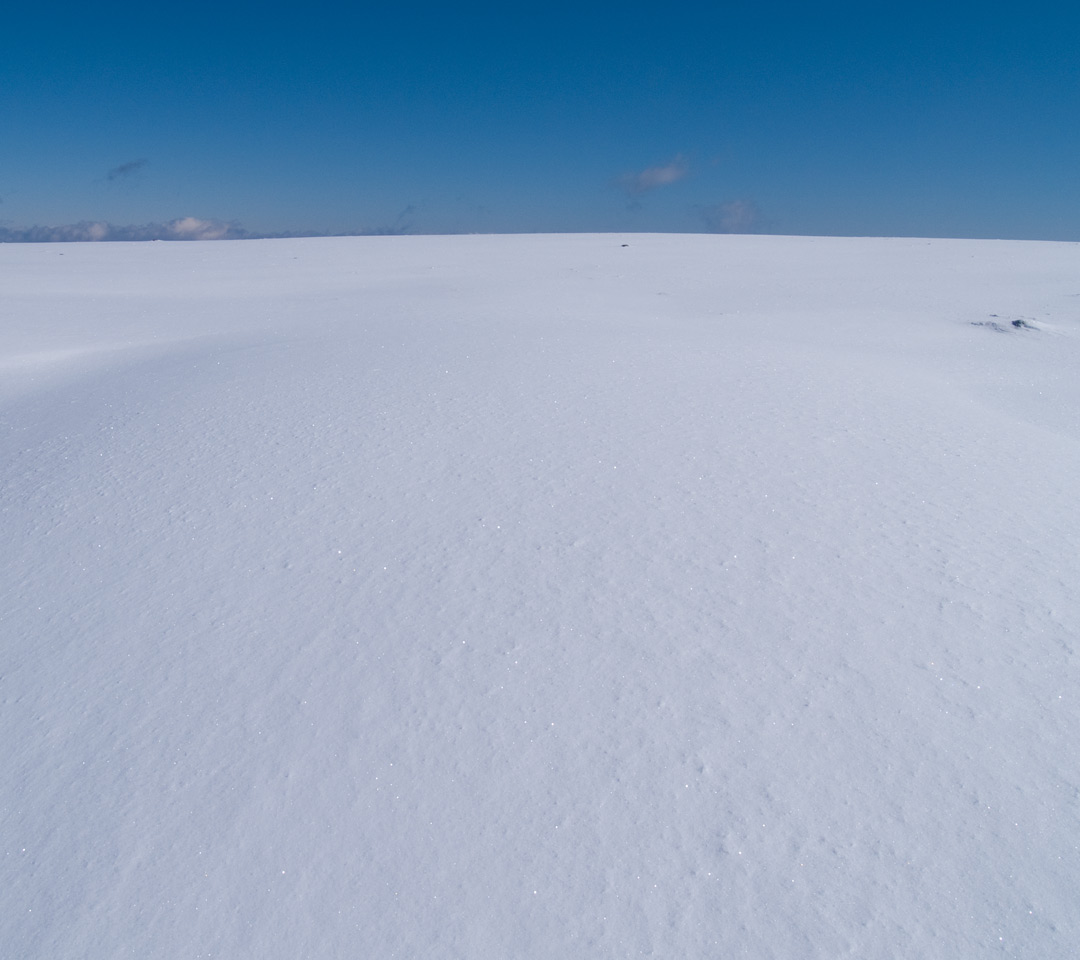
1018	324
626	244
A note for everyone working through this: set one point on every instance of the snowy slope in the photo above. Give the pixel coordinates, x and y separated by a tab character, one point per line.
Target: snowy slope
540	597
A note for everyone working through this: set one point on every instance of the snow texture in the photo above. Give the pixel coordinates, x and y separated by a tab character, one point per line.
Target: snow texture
540	597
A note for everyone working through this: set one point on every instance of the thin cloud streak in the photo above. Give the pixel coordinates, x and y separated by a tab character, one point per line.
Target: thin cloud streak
126	170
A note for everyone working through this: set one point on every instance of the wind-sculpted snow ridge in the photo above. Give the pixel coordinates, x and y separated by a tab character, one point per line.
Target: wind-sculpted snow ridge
540	597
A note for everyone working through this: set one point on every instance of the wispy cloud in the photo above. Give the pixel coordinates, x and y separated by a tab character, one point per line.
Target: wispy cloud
186	228
401	226
650	178
126	170
735	216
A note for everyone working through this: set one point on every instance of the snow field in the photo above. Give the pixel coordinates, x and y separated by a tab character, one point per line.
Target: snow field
540	597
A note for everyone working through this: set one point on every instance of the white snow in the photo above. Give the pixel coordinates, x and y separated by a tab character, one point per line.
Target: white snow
540	597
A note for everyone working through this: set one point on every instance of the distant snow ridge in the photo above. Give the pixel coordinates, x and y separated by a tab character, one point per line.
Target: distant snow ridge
539	597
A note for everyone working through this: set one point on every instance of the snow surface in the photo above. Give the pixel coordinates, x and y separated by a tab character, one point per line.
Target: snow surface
540	597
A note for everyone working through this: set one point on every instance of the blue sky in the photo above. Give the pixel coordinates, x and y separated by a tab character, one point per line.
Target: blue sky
323	117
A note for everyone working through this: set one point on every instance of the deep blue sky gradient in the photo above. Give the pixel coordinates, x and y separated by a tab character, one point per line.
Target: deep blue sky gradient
324	117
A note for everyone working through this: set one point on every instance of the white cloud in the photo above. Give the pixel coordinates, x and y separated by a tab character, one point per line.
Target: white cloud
650	178
192	228
186	228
